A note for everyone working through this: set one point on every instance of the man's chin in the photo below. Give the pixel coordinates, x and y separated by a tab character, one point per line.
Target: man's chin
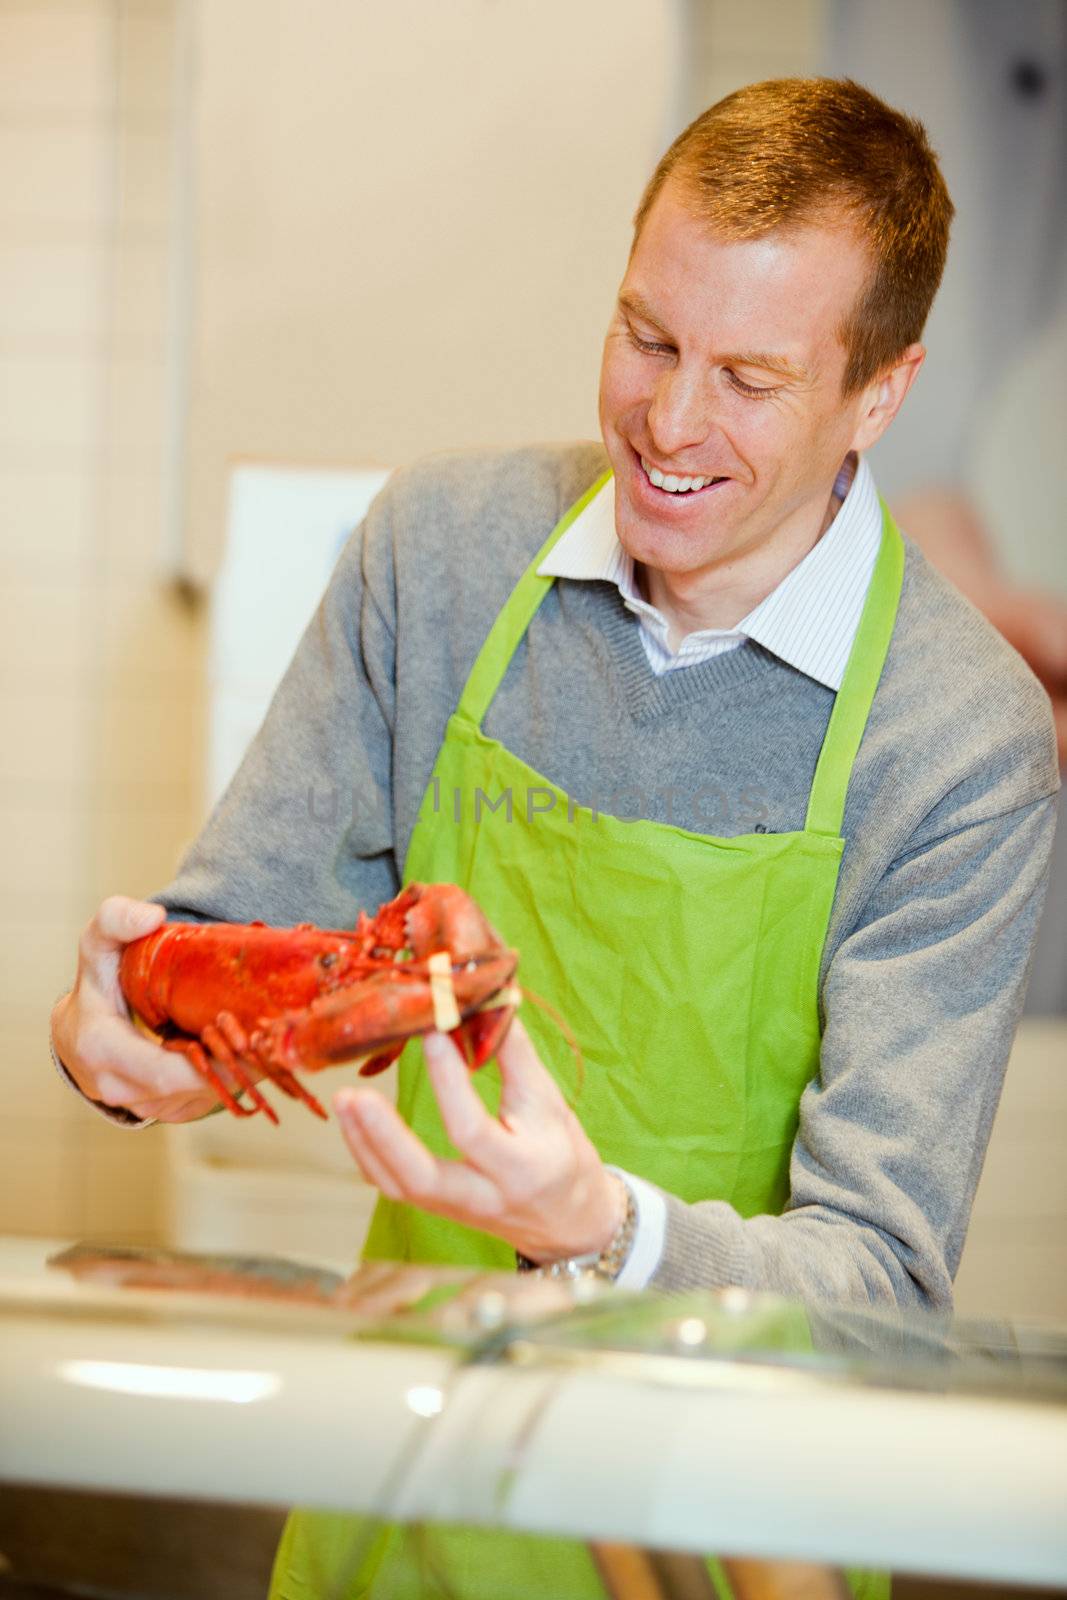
669	545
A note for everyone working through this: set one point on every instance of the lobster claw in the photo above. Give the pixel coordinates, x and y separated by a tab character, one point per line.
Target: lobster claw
390	1006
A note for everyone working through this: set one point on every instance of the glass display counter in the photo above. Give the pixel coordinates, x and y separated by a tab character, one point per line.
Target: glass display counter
634	1423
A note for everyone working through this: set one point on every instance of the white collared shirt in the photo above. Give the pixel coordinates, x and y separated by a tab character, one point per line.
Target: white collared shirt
809	620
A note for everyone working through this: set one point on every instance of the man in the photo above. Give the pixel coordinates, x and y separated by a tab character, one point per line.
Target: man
780	801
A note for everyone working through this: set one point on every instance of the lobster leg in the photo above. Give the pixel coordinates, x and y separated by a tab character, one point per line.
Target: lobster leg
232	1037
197	1057
287	1080
214	1037
292	1086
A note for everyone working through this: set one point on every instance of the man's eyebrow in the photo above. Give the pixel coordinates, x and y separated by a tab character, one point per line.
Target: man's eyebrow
640	308
769	362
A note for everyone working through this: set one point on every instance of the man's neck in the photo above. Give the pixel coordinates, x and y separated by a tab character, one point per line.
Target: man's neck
694	601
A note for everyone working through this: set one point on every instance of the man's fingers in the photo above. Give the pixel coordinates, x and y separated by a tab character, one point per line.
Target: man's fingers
186	1109
1037	627
386	1148
110	1044
121	919
1049	632
372	1165
476	1134
118	921
380	1288
112	1062
103	1054
1059	717
529	1088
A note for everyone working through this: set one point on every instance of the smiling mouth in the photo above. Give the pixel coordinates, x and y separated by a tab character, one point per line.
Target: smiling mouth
675	484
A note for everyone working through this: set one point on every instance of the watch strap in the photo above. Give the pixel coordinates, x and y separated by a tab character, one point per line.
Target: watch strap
606	1263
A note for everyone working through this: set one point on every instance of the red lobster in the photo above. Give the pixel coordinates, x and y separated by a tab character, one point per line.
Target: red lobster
265	1002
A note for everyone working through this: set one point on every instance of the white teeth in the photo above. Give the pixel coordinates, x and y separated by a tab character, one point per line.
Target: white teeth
672	484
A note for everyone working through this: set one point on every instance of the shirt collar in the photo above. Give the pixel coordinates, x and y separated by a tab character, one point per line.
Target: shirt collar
808	621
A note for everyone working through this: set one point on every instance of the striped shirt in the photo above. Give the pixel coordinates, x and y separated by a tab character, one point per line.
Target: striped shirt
809	620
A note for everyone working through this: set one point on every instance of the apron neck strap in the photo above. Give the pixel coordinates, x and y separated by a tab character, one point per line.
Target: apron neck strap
514	619
826	805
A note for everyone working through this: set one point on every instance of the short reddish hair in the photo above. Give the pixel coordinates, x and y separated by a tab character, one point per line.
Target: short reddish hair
791	151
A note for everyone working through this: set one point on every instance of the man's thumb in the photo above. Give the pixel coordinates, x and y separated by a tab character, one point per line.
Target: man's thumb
122	919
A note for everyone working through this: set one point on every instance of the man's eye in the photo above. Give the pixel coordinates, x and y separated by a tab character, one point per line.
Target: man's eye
648	344
753	391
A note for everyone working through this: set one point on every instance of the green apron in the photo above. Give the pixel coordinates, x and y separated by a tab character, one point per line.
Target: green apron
688	968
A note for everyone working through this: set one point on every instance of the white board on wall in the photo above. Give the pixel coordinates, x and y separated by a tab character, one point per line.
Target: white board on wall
284	531
253	1187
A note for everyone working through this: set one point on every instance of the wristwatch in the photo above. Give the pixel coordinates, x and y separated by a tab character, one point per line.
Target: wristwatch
606	1263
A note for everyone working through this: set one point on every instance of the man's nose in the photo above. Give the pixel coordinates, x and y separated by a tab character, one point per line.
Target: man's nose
681	412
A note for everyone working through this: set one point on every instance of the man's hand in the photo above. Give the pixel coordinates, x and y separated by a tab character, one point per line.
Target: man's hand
101	1049
945	523
530	1176
1036	624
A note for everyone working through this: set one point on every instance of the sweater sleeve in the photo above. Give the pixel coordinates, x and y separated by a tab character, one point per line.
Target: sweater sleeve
921	1004
304	831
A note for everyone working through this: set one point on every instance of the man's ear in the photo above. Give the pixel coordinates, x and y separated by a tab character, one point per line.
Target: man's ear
883	398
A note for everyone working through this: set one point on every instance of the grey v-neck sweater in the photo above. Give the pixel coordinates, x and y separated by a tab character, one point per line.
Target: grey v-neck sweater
948	825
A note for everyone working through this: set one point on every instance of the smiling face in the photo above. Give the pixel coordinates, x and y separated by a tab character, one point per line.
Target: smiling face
723	364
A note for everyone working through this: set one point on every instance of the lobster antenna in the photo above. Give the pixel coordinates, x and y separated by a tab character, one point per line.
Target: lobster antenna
568	1034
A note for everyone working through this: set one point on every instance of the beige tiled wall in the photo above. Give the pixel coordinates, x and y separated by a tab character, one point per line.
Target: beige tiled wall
100	660
100	675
